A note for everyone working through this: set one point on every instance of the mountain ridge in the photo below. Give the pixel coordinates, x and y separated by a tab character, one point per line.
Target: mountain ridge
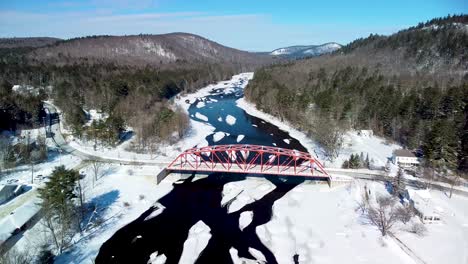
302	51
144	49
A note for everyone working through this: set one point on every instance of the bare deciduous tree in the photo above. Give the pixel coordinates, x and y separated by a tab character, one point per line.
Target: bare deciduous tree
383	214
329	135
405	213
5	151
454	181
34	156
96	167
14	256
418	229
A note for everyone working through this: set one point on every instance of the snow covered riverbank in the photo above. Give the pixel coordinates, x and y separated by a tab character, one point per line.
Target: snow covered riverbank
377	148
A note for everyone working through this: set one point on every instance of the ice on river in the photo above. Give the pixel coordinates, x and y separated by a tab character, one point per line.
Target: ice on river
245	192
218	136
287	141
157	259
201	117
240	138
230	120
159	208
198	238
245	219
200	104
220	119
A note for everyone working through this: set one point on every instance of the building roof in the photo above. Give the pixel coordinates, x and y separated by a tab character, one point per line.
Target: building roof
404	153
423	203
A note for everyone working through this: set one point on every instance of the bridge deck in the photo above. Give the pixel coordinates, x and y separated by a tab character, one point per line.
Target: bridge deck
256	169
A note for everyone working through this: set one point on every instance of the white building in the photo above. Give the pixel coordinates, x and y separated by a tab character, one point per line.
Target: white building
404	158
425	209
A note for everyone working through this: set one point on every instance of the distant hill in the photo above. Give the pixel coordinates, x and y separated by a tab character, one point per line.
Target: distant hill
297	52
145	50
9	43
410	87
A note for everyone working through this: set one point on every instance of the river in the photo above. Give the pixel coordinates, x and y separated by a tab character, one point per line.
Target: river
192	201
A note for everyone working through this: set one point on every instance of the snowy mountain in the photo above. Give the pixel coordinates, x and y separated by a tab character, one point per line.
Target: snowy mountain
306	51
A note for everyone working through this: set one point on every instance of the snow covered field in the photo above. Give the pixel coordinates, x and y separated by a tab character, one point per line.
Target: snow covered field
322	226
319	224
121	194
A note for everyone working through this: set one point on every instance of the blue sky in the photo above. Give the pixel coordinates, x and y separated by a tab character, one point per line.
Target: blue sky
257	25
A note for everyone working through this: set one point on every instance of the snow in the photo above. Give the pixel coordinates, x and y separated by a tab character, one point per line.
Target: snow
201	117
22	174
220	119
19	217
287	141
25	89
200	104
230	120
164	152
33	133
257	254
157	259
198	237
245	219
240	138
450	236
159	209
95	115
307	50
223	87
315	221
244	192
317	230
155	48
218	136
377	148
135	185
238	260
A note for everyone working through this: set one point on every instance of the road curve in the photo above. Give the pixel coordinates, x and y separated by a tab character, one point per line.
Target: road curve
63	145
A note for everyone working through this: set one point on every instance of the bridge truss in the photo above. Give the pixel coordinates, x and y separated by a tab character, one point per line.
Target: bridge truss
249	159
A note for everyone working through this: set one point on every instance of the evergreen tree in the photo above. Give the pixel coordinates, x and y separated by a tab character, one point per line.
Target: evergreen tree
367	162
398	184
58	205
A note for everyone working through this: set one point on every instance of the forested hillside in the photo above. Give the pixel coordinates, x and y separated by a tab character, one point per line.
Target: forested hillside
142	50
130	78
9	43
411	87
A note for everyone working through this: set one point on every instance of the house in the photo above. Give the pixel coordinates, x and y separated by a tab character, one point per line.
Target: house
404	158
425	208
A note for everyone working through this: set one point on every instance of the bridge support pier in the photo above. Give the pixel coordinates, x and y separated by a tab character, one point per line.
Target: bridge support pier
162	175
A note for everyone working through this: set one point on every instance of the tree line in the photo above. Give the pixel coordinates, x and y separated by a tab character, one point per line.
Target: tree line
132	96
423	116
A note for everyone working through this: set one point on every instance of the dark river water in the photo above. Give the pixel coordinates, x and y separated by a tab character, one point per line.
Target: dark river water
192	201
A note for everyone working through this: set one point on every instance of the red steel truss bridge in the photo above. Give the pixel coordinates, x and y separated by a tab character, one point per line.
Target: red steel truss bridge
249	159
